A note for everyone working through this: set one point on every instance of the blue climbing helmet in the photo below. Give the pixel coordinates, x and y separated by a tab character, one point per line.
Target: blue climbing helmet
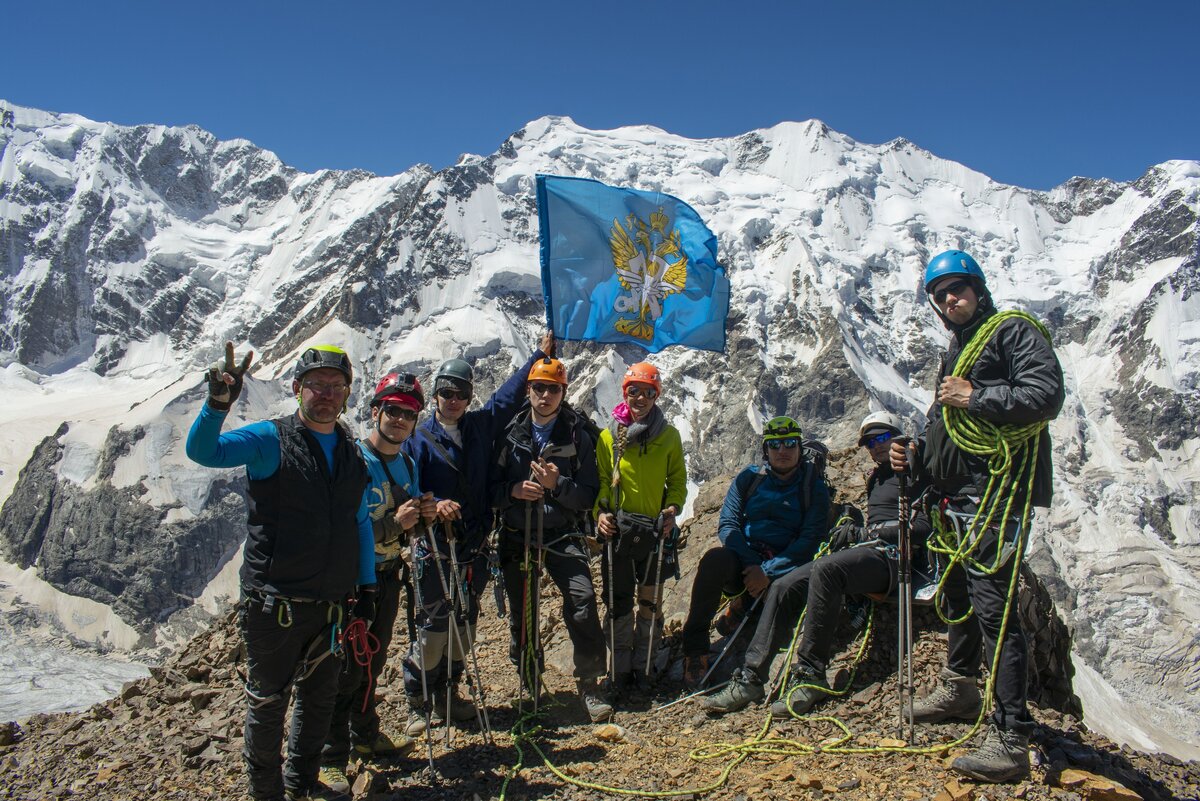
952	262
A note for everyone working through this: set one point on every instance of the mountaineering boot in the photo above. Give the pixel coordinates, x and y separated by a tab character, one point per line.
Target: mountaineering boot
744	688
386	745
461	710
418	717
805	688
695	668
334	778
1003	757
597	706
956	697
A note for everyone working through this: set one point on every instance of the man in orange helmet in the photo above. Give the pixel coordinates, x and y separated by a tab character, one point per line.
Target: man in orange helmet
546	464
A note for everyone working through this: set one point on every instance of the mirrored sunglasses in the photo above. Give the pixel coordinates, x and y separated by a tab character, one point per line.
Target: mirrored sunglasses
879	439
453	394
641	392
776	444
954	288
543	389
394	410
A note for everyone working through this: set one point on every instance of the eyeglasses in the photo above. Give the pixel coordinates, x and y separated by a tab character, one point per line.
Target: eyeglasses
789	443
650	393
319	388
394	410
956	288
546	389
879	439
453	394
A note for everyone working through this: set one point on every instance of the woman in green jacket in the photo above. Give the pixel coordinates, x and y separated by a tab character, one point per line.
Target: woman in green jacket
639	500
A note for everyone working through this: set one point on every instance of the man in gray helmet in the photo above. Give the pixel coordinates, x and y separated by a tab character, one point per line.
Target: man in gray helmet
452	450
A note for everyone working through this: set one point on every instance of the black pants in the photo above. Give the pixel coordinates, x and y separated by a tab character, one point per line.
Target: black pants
287	644
567	563
819	586
976	637
351	723
719	573
432	645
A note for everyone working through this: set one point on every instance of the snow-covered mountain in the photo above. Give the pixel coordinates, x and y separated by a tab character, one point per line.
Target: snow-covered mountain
131	253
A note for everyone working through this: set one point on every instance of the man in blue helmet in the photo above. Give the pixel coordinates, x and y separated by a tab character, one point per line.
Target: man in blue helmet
309	544
1009	377
452	450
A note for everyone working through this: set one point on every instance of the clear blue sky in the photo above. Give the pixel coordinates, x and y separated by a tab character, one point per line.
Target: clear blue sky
1029	93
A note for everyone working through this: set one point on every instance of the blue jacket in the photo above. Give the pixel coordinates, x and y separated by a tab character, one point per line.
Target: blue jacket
466	480
771	528
257	447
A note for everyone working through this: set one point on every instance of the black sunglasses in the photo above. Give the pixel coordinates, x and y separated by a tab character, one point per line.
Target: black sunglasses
396	410
955	289
453	394
642	392
543	389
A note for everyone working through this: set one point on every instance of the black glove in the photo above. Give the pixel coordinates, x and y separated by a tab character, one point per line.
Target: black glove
364	605
220	394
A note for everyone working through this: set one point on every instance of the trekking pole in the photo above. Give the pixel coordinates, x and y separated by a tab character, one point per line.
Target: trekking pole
428	707
612	617
452	631
732	638
690	696
456	592
526	568
904	677
658	568
537	603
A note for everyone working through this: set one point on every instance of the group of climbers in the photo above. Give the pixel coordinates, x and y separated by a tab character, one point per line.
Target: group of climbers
340	532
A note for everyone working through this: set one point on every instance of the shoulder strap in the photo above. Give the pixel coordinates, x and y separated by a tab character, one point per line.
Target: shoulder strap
760	475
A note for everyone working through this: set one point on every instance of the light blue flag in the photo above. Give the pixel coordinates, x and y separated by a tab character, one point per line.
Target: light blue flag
623	265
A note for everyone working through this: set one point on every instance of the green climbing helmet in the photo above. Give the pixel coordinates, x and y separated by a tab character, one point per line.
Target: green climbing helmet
781	428
456	374
324	356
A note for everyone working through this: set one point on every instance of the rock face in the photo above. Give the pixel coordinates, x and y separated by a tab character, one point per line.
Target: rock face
130	254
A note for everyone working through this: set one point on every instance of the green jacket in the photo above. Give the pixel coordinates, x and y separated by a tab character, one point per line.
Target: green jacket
652	477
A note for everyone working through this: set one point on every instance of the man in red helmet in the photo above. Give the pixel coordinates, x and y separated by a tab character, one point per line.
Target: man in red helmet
396	504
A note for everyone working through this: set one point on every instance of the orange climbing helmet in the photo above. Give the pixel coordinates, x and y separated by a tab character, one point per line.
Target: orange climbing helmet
642	373
551	370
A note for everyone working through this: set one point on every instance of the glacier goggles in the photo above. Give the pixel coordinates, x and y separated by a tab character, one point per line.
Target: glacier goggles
776	444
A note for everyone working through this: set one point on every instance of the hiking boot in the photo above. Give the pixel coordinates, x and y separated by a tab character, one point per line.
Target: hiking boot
418	718
956	697
805	688
731	618
334	778
386	745
695	670
1003	757
744	688
598	707
461	710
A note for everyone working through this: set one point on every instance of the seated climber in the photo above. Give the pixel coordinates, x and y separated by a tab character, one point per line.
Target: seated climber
773	520
820	586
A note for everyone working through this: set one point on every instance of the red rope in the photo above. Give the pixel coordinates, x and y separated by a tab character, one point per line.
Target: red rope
363	647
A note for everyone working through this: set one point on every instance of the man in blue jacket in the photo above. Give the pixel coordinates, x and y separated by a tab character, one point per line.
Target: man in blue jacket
774	518
452	450
309	544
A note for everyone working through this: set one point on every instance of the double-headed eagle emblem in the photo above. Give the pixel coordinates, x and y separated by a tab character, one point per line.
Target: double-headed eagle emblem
650	265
